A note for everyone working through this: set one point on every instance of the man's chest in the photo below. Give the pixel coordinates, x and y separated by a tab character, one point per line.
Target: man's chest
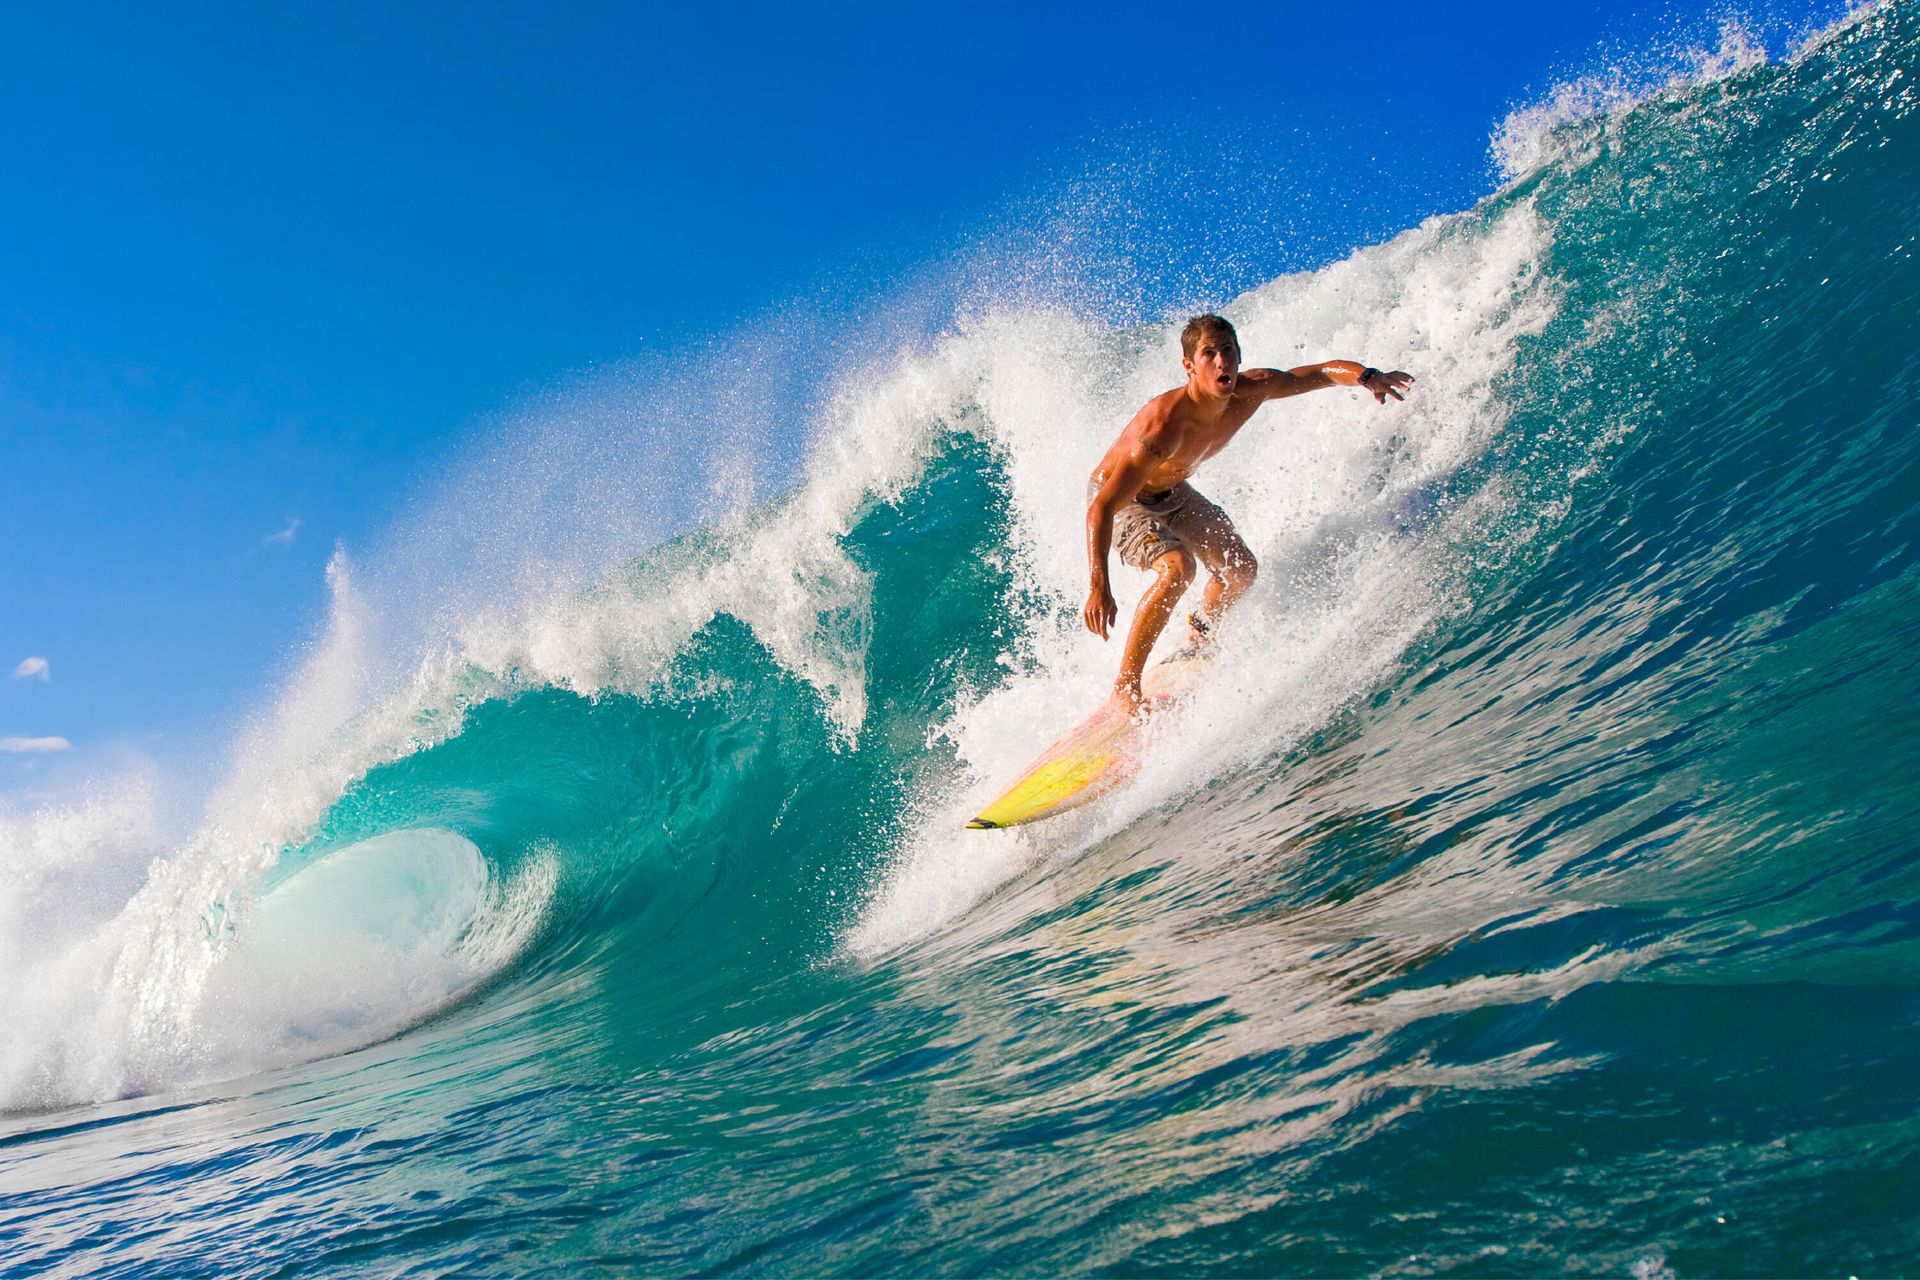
1200	441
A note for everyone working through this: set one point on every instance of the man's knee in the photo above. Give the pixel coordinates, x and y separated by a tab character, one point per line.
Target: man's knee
1176	567
1238	568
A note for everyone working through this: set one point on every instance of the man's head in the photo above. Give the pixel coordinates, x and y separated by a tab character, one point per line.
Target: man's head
1204	327
1210	353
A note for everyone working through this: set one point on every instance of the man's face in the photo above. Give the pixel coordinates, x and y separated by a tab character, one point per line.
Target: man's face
1214	364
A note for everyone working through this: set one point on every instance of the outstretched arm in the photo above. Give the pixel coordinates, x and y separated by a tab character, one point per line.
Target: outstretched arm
1277	384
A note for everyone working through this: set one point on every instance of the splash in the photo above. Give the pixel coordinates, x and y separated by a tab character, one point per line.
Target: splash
1323	490
1550	130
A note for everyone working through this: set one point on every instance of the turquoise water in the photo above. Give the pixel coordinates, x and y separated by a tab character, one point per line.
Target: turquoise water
1533	892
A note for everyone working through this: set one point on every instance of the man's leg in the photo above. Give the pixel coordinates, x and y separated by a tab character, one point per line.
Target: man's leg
1172	574
1231	570
1202	526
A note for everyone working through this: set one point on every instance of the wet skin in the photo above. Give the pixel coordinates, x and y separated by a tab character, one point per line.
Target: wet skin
1166	442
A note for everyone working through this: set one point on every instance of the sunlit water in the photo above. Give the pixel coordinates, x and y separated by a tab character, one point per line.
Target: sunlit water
1532	890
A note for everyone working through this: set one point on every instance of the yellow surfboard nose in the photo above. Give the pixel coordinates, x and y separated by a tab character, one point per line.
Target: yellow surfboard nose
1052	783
1099	754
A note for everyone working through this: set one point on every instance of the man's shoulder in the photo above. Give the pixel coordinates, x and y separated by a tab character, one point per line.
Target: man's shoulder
1162	409
1261	382
1159	420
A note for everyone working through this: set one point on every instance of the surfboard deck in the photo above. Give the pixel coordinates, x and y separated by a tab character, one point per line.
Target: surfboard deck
1097	755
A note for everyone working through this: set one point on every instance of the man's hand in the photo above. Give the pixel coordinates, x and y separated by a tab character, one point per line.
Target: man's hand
1101	611
1382	385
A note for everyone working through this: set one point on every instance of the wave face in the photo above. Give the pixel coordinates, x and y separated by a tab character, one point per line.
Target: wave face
1532	890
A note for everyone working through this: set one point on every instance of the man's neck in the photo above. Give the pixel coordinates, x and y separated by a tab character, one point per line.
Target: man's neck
1207	404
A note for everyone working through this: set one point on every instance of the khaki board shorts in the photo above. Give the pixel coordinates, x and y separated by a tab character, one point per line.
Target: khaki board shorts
1149	526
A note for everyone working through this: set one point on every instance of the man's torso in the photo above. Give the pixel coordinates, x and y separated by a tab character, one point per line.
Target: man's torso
1177	433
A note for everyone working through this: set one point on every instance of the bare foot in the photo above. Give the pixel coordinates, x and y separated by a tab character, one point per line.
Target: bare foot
1199	636
1137	706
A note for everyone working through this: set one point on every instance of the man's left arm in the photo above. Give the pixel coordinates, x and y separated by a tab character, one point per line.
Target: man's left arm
1277	384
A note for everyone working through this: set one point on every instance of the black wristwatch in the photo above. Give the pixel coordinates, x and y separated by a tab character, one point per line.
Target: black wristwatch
1368	373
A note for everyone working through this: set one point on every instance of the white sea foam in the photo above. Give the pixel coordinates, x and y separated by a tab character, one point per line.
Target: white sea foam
1317	486
1547	130
65	869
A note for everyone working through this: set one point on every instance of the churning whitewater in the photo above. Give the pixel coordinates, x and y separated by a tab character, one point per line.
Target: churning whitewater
1530	889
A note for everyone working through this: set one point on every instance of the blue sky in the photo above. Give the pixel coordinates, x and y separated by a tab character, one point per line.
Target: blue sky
265	271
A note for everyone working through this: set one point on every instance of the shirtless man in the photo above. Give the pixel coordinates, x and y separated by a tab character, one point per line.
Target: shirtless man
1139	499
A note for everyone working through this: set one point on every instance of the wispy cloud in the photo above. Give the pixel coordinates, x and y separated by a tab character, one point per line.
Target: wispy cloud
285	536
33	746
33	669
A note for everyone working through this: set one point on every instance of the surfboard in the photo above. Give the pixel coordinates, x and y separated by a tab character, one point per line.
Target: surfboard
1098	754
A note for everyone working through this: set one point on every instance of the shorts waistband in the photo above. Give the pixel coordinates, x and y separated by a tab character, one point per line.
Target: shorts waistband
1145	499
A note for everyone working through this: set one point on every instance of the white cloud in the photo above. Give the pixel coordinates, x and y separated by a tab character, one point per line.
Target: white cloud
25	746
285	536
33	668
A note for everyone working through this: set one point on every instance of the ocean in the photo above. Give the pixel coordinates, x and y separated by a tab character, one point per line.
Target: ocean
1531	891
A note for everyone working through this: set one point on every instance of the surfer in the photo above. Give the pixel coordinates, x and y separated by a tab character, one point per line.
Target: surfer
1139	501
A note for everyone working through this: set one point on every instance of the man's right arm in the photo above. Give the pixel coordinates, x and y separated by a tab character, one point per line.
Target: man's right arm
1127	465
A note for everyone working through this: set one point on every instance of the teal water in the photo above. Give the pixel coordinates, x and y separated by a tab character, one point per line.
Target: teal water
1533	893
